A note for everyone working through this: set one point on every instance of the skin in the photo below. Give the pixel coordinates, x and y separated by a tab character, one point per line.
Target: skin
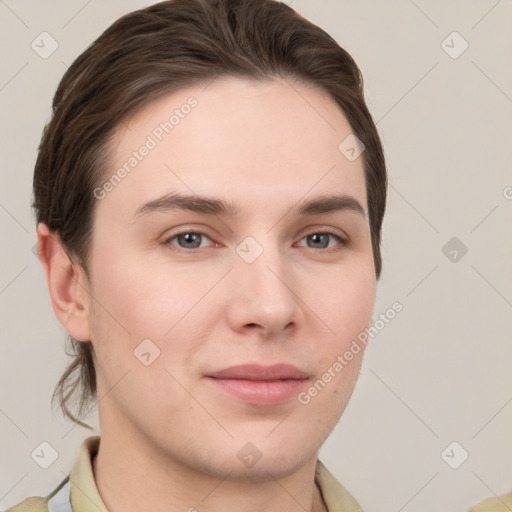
264	146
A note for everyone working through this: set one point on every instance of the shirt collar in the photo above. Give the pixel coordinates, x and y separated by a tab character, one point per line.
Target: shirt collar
84	493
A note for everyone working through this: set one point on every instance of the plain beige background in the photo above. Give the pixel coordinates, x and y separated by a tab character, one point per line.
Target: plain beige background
441	370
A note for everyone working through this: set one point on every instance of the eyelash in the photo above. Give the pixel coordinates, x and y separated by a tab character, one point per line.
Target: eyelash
342	242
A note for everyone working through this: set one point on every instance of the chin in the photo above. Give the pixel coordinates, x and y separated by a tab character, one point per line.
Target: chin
271	458
268	468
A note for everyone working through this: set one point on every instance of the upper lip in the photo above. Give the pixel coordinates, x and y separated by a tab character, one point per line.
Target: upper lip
257	372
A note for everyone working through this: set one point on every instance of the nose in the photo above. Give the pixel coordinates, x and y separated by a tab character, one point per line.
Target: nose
262	295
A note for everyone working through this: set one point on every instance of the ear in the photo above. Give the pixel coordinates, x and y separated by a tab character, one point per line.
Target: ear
67	284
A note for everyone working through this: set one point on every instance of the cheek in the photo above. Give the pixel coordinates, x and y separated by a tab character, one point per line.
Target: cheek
142	298
136	300
346	307
345	303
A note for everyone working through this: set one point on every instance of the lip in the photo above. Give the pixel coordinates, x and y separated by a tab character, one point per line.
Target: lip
261	385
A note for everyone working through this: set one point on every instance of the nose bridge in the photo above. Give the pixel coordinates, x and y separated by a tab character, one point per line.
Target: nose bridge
263	283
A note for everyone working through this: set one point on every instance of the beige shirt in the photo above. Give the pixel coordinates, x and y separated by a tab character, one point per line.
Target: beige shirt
85	496
499	504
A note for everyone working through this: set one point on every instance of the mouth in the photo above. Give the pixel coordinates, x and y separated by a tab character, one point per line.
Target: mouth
261	385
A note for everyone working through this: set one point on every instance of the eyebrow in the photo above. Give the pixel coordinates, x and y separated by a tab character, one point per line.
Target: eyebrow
218	207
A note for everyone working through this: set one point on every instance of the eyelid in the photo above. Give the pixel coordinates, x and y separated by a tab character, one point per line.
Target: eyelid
325	229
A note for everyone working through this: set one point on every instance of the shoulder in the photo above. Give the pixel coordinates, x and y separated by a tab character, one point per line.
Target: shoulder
37	503
33	504
499	504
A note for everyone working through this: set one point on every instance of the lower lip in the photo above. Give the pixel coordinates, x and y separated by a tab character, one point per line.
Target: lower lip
259	392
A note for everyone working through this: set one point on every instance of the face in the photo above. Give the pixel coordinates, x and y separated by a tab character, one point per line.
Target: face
183	289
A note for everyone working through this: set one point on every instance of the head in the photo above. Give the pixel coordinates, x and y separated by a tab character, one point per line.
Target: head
246	104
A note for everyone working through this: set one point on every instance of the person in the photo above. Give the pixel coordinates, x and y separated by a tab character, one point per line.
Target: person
209	196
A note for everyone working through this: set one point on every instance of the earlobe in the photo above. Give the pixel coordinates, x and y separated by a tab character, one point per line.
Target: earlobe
67	284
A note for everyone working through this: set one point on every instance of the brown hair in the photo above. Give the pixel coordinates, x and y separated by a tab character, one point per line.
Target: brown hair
157	50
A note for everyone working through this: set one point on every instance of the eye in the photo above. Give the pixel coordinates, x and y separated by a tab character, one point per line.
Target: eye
321	238
187	239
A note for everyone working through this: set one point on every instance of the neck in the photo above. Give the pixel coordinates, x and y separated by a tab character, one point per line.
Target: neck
158	483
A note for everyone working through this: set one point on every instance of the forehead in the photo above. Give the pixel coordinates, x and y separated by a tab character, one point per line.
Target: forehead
235	138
